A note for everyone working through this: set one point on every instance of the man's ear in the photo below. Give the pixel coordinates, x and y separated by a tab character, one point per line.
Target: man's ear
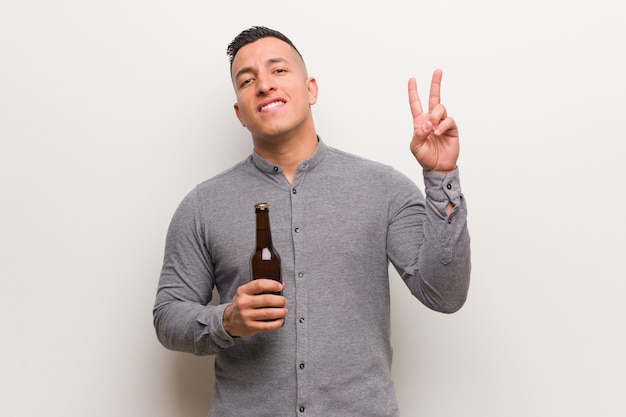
238	114
311	85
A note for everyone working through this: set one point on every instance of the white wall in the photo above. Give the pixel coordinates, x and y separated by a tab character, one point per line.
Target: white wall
111	111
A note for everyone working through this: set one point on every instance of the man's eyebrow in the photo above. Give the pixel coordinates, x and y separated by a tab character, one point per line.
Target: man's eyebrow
269	61
242	71
277	61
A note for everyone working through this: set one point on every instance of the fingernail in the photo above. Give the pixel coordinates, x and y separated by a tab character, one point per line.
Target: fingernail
437	132
427	126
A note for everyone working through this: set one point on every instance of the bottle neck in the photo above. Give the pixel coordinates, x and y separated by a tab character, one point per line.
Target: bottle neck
263	232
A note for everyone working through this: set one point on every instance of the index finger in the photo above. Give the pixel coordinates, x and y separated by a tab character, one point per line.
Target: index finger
414	99
435	90
262	285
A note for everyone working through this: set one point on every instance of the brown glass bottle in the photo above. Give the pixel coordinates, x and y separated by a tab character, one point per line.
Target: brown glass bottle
265	261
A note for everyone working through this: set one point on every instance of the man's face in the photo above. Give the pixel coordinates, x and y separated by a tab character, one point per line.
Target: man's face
273	91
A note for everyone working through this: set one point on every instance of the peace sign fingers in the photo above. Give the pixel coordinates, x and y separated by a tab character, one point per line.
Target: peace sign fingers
435	142
435	90
433	99
414	99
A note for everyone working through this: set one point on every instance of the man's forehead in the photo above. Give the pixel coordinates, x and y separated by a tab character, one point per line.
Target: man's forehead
268	50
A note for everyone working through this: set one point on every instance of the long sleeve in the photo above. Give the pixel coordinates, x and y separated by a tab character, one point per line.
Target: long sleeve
439	275
182	317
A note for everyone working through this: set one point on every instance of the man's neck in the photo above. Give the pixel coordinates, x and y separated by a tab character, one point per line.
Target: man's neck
287	153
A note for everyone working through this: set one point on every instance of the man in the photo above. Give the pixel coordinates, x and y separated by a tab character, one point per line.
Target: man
323	348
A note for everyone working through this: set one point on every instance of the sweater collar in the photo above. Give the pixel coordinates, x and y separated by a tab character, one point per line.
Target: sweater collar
307	165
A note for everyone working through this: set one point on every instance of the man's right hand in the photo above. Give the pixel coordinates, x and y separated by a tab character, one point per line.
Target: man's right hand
252	311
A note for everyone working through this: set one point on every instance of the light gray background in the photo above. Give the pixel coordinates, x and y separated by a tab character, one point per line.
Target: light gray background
110	112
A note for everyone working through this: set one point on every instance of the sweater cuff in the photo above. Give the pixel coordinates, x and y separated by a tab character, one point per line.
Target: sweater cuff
443	188
212	320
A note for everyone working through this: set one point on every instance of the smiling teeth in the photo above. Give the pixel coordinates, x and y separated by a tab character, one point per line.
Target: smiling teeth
272	105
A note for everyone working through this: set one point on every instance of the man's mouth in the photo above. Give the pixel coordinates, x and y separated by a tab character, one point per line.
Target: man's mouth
272	105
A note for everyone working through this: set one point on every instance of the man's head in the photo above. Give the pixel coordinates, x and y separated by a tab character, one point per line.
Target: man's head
274	92
253	34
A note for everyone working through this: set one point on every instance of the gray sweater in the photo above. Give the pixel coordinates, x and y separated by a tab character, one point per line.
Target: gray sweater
336	227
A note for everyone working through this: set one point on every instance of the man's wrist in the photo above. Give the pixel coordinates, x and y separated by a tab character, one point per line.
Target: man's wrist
226	321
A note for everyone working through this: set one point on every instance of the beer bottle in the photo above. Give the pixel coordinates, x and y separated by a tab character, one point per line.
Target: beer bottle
265	261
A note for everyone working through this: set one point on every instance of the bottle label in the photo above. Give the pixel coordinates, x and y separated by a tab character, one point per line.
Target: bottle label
266	255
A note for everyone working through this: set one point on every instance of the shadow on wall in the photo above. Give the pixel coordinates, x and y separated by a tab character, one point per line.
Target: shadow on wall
192	384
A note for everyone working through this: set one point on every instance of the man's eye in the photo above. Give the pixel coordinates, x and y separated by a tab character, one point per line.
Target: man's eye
280	70
247	81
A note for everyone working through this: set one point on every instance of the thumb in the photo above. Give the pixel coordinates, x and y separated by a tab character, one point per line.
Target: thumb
421	132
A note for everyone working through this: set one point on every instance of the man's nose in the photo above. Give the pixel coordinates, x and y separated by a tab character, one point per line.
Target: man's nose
264	85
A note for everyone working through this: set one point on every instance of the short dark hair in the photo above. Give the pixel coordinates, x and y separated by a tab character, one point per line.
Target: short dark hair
251	35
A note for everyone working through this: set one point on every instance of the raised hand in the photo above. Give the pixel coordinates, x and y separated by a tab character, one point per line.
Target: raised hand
435	142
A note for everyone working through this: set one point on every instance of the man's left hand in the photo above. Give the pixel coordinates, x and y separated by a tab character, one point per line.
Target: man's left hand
435	142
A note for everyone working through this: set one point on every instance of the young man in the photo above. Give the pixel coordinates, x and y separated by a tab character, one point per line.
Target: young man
323	348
